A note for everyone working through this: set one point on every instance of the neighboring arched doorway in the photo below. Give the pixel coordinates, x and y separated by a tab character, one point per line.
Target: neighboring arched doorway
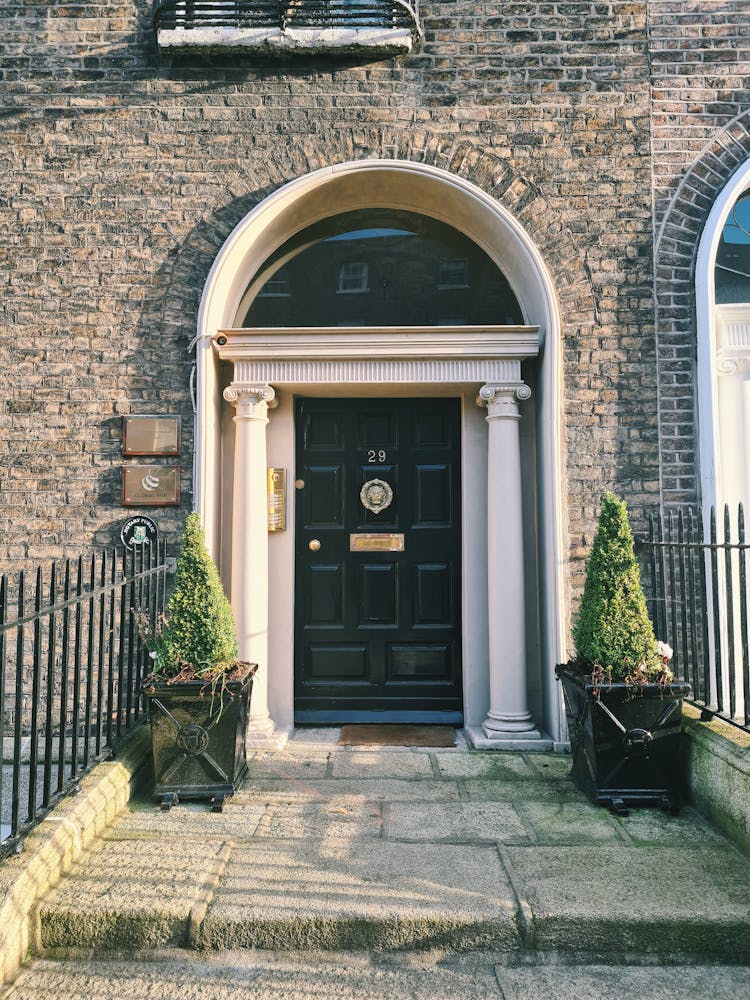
723	334
509	485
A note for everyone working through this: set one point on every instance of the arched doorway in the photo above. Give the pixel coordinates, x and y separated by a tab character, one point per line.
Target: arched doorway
509	694
723	335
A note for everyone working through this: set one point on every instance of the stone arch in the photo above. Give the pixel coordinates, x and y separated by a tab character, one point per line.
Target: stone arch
252	182
682	322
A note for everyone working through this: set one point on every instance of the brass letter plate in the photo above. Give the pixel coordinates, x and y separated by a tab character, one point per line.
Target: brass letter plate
376	543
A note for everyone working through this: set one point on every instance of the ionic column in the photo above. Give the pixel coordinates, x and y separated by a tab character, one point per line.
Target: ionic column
250	542
508	720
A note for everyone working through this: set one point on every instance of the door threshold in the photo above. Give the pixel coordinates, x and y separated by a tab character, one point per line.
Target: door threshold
326	717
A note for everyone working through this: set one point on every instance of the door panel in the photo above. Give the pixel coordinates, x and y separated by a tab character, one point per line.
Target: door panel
325	596
434	602
377	632
324	496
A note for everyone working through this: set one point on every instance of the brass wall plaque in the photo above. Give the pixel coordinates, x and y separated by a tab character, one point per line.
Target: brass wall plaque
150	435
151	486
276	499
376	543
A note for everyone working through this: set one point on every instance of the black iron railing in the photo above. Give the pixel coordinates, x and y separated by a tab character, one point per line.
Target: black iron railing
70	666
192	14
697	576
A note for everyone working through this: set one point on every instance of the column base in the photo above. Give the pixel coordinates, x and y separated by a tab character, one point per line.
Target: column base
263	735
531	741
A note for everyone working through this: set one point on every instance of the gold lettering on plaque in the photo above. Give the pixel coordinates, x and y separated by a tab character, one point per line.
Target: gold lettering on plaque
276	499
376	543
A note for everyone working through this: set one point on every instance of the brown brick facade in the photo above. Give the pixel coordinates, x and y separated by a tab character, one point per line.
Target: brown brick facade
123	174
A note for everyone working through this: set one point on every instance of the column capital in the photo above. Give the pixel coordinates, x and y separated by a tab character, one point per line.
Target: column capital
501	398
244	397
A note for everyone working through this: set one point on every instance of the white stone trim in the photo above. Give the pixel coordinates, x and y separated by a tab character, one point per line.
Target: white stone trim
370	355
732	339
391	40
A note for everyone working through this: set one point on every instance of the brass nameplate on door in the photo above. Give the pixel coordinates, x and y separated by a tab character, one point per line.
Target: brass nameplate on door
376	543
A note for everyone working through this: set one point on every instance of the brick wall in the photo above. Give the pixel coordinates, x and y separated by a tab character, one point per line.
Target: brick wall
122	174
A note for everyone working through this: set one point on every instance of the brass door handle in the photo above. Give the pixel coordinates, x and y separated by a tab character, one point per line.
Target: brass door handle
313	545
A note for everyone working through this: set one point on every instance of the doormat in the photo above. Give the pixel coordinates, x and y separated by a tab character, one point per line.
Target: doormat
361	734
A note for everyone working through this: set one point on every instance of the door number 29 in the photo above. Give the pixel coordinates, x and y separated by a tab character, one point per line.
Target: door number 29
376	456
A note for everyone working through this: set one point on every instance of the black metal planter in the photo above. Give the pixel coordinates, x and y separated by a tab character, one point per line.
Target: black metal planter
625	743
198	740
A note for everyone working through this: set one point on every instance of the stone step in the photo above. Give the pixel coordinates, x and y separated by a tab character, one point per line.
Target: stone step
352	888
347	976
397	852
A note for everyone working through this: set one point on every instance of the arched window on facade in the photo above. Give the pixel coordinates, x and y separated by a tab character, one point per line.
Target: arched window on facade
722	296
731	285
723	384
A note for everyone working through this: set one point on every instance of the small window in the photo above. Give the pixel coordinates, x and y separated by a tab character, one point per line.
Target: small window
277	284
454	273
353	277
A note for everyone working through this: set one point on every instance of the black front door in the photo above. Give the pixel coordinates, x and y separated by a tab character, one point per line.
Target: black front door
378	560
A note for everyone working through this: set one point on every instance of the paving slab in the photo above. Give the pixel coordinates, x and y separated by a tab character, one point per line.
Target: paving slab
187	820
288	765
606	982
374	789
337	819
625	899
455	822
551	766
497	766
498	790
339	977
568	823
651	826
382	764
363	895
129	894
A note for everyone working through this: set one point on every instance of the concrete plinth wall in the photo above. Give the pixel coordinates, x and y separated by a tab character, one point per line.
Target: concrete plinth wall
57	842
717	773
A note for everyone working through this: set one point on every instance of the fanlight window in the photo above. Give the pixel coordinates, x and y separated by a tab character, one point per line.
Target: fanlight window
414	270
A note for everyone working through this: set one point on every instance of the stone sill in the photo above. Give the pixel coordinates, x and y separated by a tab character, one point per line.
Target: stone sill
386	41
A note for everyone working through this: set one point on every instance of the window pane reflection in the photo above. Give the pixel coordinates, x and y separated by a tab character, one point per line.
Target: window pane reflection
732	272
378	268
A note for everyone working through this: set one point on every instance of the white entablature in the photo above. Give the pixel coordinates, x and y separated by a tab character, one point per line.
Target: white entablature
378	354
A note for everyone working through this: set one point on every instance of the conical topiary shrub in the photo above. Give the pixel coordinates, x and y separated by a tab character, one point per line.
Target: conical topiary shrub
613	634
200	630
198	692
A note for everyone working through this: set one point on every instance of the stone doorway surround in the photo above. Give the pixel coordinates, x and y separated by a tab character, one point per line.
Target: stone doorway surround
270	366
489	361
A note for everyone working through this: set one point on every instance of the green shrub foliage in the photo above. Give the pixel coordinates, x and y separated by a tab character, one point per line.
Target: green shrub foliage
613	630
200	628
